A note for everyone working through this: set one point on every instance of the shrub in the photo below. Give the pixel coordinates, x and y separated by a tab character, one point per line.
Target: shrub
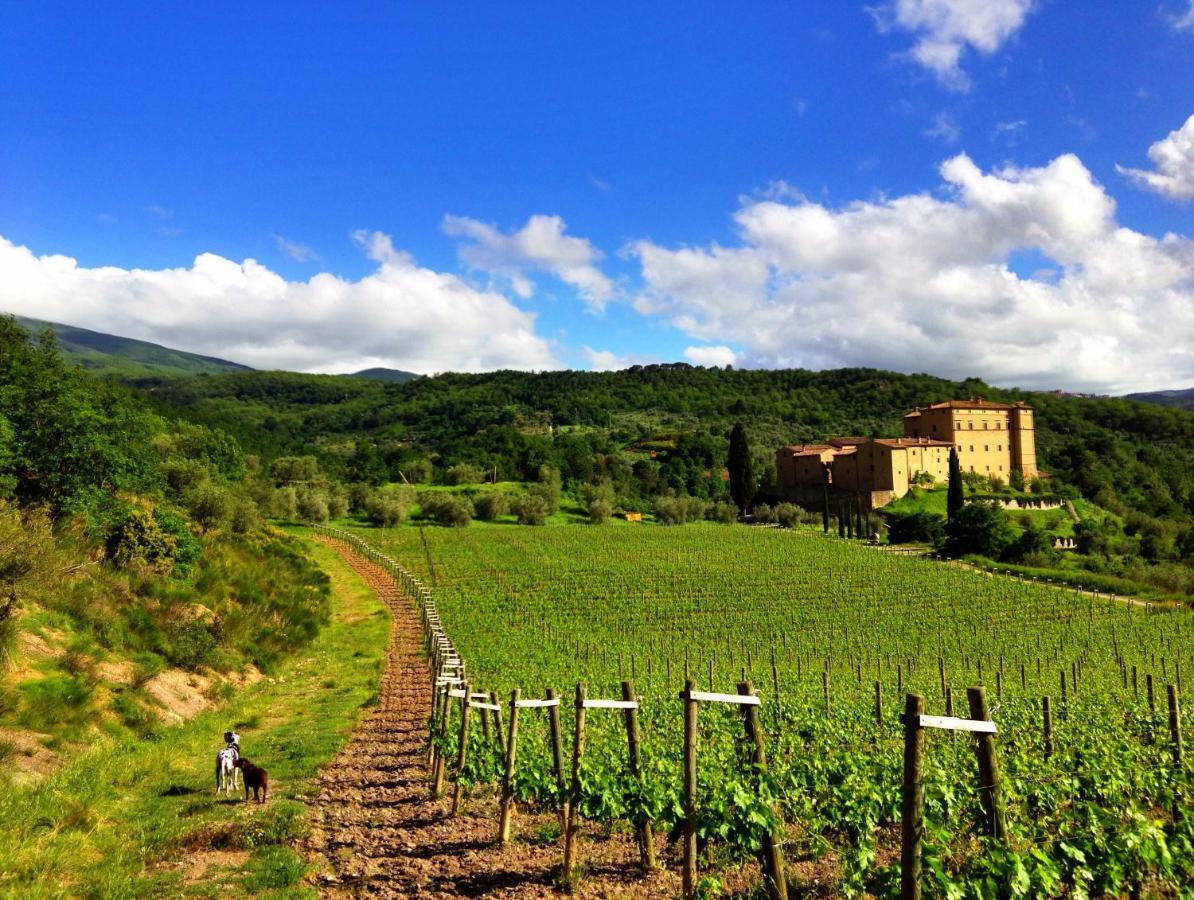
210	506
244	516
337	499
723	513
977	528
311	506
464	473
389	506
490	505
787	514
531	509
915	528
139	538
764	514
446	509
600	511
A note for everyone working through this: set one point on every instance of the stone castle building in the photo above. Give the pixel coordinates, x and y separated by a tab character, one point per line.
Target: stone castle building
992	439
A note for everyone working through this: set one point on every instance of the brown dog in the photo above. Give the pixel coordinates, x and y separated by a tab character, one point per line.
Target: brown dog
256	779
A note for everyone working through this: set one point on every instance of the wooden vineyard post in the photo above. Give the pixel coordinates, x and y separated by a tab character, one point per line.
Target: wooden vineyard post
1047	722
825	689
878	703
912	808
507	802
646	845
988	765
437	784
557	757
462	756
773	860
690	779
578	749
1175	742
1175	725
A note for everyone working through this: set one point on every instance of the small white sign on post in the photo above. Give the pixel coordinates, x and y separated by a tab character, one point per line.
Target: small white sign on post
610	704
708	697
951	723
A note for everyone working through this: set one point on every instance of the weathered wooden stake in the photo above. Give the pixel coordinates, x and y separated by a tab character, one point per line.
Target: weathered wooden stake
912	807
507	802
437	784
462	755
878	703
988	765
646	844
1047	720
557	757
689	877
772	858
1175	725
578	748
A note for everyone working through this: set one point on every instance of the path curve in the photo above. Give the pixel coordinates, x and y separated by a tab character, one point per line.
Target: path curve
377	833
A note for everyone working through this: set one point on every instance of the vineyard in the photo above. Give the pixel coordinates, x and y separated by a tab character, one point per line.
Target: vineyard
833	635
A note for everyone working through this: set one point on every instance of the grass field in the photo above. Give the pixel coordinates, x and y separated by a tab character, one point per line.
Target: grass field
532	608
139	818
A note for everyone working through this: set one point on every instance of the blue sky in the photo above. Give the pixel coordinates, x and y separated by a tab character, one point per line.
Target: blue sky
958	186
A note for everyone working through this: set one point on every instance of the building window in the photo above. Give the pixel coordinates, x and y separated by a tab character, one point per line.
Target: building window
986	448
972	448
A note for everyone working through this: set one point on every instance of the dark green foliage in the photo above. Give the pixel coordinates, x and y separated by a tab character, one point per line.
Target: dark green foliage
1034	546
978	528
741	468
140	538
68	436
447	509
531	510
956	498
919	527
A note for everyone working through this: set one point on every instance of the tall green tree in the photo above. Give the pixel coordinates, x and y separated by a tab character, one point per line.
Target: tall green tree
742	475
955	499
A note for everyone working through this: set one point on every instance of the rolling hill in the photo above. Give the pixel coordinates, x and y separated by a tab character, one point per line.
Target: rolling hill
107	354
1183	399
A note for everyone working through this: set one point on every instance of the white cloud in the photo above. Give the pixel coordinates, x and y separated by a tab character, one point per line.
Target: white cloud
159	212
924	283
946	128
711	356
1173	157
539	246
300	253
945	28
1185	22
400	315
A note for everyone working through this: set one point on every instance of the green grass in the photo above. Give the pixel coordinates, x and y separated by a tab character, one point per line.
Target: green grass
111	821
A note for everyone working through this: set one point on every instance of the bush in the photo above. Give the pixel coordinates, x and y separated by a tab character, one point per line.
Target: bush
600	511
490	505
722	512
977	528
680	510
311	506
244	516
531	509
284	504
139	538
447	509
787	515
547	488
764	514
210	506
921	527
389	506
464	473
337	499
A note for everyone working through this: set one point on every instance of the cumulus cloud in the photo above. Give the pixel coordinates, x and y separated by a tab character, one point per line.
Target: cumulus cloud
400	315
945	127
711	356
1173	157
539	246
926	282
944	29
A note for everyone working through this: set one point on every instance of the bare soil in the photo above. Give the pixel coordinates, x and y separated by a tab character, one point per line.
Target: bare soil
376	831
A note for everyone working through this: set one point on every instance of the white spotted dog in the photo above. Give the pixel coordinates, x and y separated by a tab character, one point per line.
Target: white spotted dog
227	774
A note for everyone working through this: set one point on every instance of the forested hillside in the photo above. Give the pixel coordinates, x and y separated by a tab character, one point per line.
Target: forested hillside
138	582
1124	452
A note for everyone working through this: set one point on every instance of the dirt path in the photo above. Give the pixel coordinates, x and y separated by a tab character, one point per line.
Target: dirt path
377	833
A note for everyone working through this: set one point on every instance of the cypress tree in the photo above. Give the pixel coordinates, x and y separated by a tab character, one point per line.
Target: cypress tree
955	499
742	476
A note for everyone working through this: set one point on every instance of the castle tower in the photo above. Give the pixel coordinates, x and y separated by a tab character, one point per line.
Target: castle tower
1023	436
